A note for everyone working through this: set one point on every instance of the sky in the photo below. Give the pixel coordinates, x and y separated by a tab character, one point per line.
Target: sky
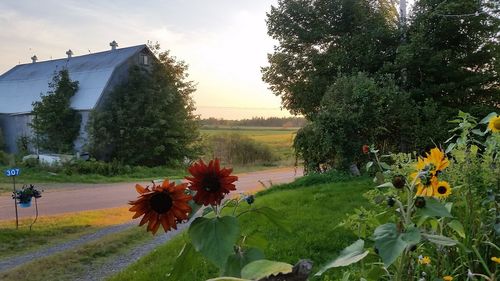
224	42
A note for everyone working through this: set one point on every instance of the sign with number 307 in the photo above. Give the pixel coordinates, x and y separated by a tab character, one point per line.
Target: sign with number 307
13	172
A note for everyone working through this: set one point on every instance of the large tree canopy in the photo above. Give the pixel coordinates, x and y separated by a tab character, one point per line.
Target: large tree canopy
55	123
444	58
149	119
452	53
319	39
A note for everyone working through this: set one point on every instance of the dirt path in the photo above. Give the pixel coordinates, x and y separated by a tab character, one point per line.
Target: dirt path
10	263
81	197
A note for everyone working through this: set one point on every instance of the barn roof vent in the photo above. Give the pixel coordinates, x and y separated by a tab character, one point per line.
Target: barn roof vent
69	53
113	45
34	59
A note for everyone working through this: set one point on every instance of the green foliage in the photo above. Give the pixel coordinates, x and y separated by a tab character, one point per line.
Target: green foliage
312	213
237	149
351	116
453	59
441	60
55	123
318	40
263	268
149	119
215	237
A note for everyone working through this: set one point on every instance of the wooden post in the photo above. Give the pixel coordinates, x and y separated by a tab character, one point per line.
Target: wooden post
15	201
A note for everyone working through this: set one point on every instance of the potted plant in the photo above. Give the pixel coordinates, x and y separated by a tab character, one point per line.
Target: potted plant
25	195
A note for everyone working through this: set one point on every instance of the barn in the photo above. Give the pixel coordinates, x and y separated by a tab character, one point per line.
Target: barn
97	74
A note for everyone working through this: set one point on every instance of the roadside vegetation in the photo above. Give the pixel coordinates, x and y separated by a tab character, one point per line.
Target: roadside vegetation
50	230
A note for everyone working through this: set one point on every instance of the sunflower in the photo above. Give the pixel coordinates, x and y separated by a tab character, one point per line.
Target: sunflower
165	204
442	189
437	160
447	278
427	189
494	124
495	259
210	182
424	260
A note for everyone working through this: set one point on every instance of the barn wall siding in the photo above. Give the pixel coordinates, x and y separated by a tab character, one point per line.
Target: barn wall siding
14	127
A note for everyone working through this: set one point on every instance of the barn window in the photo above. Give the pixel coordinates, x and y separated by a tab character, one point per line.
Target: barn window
144	60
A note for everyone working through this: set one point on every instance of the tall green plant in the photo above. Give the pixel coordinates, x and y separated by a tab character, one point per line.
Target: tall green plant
55	123
148	120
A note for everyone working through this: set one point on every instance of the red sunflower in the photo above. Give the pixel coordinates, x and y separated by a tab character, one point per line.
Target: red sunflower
165	204
211	183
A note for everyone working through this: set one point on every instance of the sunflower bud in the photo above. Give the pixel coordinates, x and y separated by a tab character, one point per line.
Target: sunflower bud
398	181
391	201
420	202
250	199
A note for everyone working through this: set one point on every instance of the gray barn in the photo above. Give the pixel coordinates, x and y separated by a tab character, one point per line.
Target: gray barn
96	73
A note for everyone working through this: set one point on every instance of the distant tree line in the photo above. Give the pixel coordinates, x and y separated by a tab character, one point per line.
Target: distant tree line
285	122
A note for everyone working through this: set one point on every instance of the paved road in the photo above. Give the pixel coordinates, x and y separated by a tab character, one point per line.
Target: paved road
81	197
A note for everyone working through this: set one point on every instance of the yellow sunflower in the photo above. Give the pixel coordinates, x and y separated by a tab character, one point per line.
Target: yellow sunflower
494	124
424	260
437	159
427	189
442	189
447	278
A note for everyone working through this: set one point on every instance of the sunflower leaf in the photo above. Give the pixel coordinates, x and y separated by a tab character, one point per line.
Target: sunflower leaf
215	237
351	254
390	243
263	268
487	118
434	208
182	262
440	240
237	261
457	227
274	217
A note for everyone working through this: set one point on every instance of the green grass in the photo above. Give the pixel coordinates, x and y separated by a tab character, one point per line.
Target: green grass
71	264
40	176
55	229
279	139
311	211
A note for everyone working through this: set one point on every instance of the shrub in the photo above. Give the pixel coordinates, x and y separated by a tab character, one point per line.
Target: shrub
236	149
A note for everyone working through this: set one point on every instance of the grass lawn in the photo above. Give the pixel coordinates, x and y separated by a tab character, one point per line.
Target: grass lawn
54	229
310	207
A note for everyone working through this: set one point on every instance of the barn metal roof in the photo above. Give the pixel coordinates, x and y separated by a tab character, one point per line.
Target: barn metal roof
23	84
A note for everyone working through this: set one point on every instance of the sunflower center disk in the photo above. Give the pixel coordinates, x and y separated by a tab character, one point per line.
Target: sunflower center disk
161	202
496	124
442	190
211	183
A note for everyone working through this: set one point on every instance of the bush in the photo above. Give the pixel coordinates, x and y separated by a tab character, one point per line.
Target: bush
236	149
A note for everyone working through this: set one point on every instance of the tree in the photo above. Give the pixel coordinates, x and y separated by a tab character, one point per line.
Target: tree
357	110
451	54
55	123
320	39
148	120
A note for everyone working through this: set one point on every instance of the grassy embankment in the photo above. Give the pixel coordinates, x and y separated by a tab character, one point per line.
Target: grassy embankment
51	230
311	208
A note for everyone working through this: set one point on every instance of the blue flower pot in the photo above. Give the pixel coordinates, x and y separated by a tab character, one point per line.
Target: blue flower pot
25	204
